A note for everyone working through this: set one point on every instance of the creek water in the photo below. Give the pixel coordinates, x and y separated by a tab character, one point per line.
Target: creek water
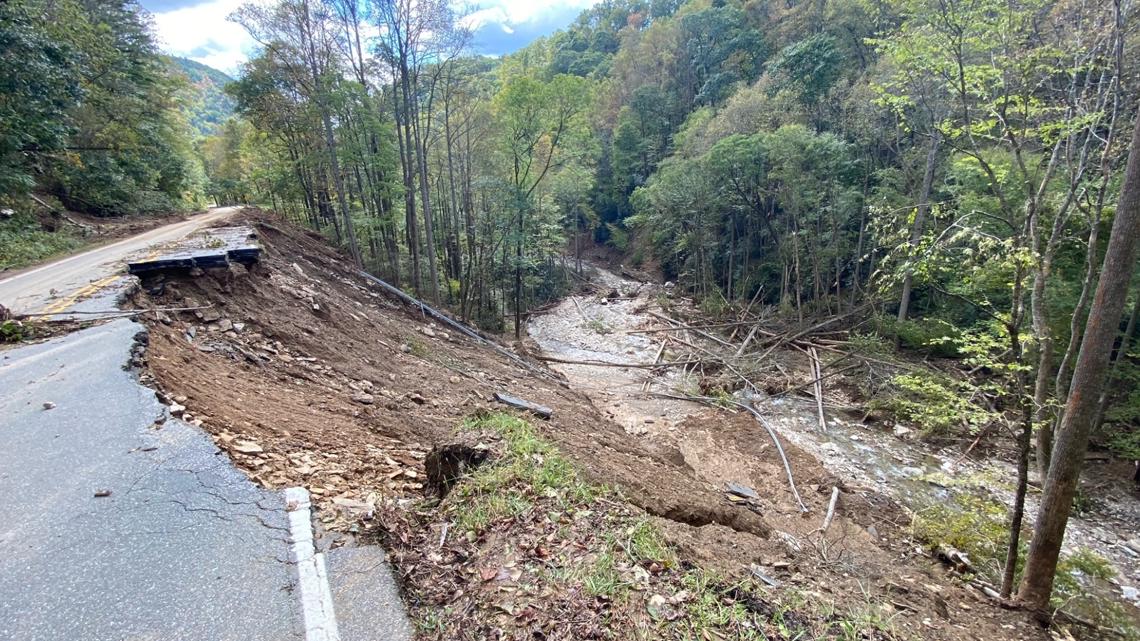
610	327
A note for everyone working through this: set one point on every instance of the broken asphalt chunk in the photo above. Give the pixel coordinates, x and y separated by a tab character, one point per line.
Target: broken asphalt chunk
743	491
540	411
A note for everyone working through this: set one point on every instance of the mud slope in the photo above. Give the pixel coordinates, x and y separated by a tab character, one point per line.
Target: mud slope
343	389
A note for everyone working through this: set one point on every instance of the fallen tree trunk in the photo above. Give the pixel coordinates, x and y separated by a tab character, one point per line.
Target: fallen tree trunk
540	411
569	361
450	322
818	376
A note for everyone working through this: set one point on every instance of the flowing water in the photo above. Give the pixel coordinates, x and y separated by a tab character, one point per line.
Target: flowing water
610	328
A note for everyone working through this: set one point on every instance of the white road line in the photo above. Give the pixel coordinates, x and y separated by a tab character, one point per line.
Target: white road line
312	577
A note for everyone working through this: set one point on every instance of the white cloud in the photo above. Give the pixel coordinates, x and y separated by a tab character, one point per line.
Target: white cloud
203	33
515	12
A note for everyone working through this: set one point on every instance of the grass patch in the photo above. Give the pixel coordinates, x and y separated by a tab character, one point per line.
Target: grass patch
417	347
598	326
709	609
528	469
24	242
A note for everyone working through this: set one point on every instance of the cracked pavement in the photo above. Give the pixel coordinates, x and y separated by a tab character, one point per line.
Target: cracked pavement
184	547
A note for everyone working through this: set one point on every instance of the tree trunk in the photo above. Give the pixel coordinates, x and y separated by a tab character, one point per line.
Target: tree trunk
404	136
1024	440
919	221
330	141
1084	393
1125	344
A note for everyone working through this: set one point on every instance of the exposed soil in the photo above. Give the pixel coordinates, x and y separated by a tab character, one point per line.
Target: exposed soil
306	374
287	346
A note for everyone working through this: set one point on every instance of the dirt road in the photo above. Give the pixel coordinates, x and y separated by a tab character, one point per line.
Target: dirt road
58	285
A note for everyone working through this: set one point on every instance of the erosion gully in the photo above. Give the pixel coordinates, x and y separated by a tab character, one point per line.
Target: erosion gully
595	327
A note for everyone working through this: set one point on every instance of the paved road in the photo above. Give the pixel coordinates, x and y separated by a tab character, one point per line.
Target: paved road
184	548
85	273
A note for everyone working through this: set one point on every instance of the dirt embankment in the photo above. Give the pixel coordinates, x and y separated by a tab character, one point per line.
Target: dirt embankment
308	375
301	352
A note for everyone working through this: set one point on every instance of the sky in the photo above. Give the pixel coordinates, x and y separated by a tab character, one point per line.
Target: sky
199	30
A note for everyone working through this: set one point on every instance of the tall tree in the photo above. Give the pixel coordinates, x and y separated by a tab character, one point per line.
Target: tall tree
1084	395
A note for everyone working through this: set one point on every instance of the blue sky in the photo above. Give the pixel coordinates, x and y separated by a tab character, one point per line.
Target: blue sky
198	29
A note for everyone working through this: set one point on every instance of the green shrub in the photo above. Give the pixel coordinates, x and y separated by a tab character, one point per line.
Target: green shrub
972	524
23	241
13	331
935	403
618	236
870	344
932	335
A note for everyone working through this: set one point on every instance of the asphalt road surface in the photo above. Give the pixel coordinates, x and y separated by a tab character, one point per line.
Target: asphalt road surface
120	523
56	286
183	547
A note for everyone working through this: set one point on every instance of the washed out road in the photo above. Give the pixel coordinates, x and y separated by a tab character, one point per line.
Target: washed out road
119	522
55	286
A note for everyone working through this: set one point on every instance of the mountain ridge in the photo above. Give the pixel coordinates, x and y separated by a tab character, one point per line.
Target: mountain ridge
206	105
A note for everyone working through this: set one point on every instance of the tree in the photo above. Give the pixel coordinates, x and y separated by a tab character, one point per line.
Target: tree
38	82
299	35
1089	377
535	118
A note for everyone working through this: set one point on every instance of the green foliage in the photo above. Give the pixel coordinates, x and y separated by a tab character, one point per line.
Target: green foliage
976	525
936	404
618	237
933	335
766	190
38	83
809	68
12	331
205	105
23	241
971	523
869	344
88	109
1125	443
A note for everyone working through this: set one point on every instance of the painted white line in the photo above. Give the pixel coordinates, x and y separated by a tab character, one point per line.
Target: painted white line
316	597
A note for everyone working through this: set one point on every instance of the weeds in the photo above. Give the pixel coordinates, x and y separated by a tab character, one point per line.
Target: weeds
609	564
598	327
417	347
23	242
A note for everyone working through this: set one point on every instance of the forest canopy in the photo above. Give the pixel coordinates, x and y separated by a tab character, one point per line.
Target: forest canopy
88	110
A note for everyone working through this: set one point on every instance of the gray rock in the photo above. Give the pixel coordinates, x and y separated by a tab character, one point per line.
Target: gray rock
363	398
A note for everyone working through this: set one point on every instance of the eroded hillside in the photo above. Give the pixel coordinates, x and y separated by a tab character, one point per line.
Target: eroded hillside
307	374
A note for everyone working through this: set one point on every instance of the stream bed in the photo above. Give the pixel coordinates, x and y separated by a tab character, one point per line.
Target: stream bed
610	327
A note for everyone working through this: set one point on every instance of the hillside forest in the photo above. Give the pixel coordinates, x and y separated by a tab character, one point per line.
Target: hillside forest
952	172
